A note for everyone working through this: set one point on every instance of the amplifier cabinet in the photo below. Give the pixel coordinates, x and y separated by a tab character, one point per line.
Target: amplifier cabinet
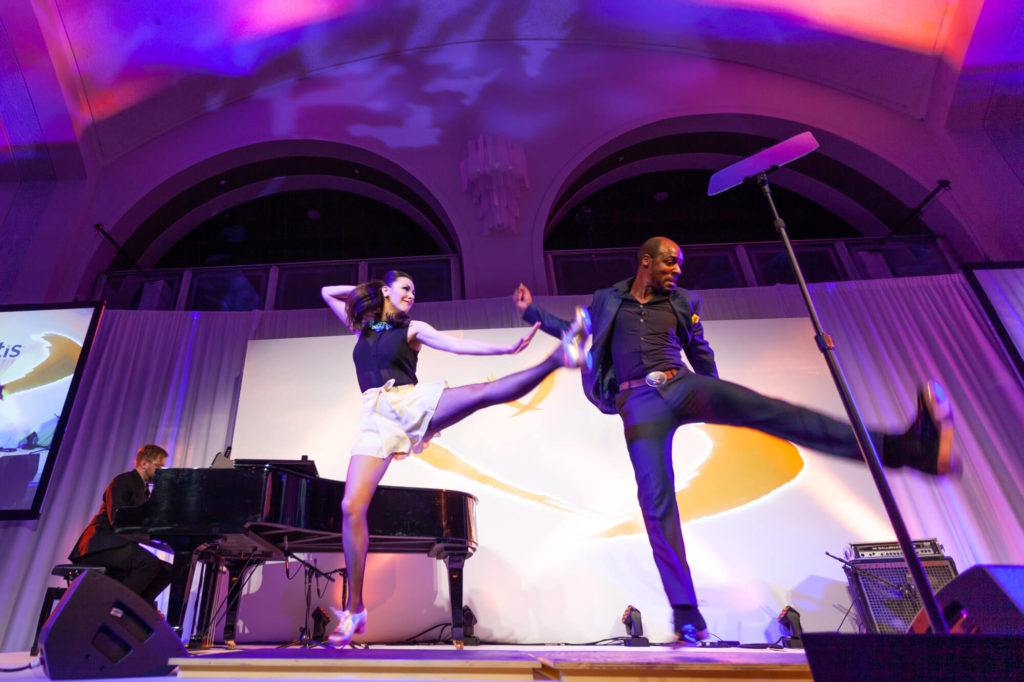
885	594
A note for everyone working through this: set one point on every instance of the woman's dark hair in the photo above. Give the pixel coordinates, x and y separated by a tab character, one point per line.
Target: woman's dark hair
366	303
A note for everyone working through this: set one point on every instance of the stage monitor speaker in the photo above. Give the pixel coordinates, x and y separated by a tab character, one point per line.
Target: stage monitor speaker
984	599
100	628
932	658
884	590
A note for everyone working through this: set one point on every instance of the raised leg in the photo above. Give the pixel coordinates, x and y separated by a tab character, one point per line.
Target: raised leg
697	398
459	402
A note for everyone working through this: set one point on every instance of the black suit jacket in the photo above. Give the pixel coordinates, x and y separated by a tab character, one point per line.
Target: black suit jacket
599	383
126	490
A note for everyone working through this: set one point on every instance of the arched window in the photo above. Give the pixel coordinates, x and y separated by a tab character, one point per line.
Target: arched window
269	234
847	223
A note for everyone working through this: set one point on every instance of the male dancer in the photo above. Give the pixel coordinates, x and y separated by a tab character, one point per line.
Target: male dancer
640	328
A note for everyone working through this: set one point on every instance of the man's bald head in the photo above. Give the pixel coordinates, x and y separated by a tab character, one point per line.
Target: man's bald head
654	246
659	264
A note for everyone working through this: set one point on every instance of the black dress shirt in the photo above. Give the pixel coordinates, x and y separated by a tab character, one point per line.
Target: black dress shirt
644	338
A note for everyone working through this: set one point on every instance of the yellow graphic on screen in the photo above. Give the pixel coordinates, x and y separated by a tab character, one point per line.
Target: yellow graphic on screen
535	398
58	364
445	460
743	465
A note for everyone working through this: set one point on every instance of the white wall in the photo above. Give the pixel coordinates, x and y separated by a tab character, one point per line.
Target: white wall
562	547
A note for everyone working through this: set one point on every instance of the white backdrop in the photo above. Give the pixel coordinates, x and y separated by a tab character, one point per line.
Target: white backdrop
562	550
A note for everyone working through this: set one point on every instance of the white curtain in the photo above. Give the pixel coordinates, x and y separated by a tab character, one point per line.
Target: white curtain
1004	288
173	378
168	378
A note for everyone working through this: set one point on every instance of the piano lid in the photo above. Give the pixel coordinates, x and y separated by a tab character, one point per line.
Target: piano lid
301	467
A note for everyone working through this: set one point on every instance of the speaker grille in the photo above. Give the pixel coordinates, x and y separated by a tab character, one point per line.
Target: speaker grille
885	594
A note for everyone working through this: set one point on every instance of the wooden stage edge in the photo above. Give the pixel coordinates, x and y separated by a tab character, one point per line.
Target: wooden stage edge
576	664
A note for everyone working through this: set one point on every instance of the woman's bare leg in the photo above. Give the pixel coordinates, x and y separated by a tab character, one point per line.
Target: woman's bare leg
364	473
459	402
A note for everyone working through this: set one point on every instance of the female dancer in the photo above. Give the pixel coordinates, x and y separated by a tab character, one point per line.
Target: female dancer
400	415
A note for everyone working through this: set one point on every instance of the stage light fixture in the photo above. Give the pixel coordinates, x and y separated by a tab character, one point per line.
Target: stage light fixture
469	621
634	627
320	620
789	619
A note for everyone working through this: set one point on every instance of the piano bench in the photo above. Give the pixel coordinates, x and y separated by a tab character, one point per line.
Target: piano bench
71	571
53	594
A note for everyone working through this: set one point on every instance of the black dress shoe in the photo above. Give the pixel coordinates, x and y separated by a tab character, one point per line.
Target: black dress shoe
929	440
689	625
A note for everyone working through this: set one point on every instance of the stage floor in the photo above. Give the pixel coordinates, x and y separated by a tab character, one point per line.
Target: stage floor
506	662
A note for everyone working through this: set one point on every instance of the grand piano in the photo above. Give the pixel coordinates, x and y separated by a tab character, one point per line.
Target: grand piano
264	510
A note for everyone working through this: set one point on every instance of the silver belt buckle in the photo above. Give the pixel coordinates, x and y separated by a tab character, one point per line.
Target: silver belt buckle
655	378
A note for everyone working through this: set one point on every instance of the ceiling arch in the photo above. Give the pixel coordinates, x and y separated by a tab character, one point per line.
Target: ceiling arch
169	210
873	195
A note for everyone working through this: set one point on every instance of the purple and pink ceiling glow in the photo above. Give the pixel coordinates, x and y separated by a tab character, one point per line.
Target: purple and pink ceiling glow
125	52
141	100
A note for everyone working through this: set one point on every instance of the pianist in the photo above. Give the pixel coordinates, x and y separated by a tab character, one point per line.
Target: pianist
125	560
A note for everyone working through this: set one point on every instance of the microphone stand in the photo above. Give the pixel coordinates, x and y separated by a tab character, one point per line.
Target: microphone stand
756	168
305	640
343	572
860	431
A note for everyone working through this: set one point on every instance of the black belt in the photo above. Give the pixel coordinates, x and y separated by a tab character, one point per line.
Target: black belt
656	378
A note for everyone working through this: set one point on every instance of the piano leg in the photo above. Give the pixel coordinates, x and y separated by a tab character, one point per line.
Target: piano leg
235	569
454	563
202	632
181	580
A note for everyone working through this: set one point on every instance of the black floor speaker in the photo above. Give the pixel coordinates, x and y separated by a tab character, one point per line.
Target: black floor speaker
100	628
983	599
836	657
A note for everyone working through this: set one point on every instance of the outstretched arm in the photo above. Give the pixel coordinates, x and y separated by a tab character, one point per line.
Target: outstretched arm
335	297
423	333
549	324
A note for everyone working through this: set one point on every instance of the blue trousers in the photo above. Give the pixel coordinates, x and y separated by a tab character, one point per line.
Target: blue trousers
650	417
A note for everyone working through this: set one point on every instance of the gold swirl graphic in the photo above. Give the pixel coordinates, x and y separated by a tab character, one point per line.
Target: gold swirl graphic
58	364
534	398
440	457
744	465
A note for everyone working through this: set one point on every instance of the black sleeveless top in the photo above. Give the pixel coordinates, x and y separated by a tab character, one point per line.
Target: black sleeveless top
382	356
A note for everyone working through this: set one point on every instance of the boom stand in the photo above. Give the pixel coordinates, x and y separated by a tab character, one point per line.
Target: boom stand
757	168
305	640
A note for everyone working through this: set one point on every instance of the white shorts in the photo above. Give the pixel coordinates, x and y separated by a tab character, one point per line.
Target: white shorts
396	419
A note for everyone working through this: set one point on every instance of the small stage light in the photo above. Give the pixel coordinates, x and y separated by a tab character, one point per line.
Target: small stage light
634	627
789	619
320	620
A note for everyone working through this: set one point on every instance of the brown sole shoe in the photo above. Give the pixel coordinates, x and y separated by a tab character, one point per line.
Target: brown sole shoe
936	404
692	637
